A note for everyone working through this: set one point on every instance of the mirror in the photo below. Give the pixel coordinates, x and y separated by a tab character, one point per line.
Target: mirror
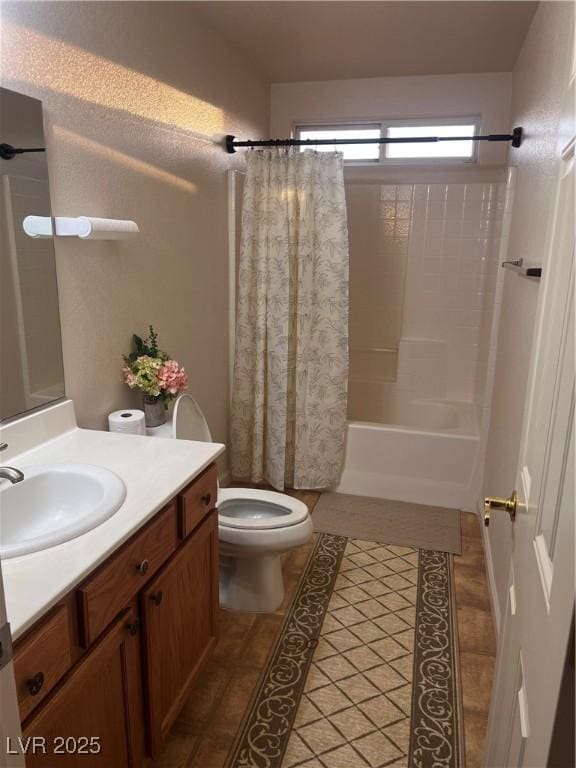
32	373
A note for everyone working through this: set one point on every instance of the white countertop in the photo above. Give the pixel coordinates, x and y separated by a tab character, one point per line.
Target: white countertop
153	470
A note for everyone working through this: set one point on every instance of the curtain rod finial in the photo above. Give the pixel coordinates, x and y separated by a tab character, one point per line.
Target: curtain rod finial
229	144
517	137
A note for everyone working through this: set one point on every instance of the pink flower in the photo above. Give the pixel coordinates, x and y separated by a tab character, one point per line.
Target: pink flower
172	377
129	377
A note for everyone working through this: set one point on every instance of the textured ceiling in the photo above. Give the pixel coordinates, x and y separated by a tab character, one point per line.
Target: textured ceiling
309	40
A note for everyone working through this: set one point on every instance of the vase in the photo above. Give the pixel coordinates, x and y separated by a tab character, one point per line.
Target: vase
154	411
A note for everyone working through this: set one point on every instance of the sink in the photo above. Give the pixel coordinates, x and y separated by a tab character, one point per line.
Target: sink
55	503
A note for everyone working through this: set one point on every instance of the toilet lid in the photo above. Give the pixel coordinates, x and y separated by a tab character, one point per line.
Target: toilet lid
255	509
188	422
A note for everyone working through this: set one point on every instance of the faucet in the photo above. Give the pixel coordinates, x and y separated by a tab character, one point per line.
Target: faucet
12	474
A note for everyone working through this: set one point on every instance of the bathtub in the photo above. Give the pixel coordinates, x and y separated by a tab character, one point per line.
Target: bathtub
423	451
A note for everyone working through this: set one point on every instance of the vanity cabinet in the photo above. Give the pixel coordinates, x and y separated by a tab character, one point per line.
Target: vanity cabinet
179	613
116	659
95	716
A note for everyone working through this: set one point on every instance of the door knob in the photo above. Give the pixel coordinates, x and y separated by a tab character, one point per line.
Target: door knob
500	502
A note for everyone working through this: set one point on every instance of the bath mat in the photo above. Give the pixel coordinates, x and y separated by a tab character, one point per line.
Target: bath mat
390	522
364	672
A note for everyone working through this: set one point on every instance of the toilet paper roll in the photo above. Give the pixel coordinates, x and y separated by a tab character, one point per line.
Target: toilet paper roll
91	228
128	421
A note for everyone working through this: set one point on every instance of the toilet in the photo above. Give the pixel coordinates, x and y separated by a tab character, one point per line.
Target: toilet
254	526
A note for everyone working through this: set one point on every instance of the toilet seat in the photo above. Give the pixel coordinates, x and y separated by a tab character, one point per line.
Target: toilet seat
255	509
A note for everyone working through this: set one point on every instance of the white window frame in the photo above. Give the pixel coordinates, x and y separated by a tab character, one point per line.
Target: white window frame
384	124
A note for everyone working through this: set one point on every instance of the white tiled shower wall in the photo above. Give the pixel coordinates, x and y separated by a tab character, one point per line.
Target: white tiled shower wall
447	268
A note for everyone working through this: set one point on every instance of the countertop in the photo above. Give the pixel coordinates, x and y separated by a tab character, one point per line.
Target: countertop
153	470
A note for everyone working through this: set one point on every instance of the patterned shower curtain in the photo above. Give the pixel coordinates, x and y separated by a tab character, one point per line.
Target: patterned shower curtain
288	421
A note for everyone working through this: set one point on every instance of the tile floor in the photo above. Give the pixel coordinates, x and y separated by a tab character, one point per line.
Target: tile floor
205	730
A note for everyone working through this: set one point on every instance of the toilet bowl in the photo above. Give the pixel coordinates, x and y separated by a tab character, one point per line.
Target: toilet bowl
255	527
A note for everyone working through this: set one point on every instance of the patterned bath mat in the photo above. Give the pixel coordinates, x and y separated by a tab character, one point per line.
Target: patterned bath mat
364	673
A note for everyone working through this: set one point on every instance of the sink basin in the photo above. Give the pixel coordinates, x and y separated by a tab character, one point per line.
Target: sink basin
55	503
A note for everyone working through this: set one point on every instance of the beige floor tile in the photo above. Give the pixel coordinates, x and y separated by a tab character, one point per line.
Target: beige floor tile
354	595
296	752
307	712
385	678
315	679
352	723
348	616
344	640
358	688
344	757
391	624
324	650
368	631
336	667
402	697
376	588
371	608
376	749
399	733
364	658
388	648
406	638
329	699
381	711
321	737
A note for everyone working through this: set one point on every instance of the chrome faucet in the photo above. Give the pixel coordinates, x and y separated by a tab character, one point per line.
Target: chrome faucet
12	474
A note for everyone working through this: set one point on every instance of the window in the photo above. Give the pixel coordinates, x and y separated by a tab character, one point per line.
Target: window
351	152
446	149
463	151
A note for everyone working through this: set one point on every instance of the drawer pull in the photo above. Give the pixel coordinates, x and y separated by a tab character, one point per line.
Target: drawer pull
143	566
157	598
34	684
206	498
133	627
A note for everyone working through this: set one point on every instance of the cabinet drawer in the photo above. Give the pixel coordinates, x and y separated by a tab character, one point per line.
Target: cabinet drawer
42	659
104	594
198	499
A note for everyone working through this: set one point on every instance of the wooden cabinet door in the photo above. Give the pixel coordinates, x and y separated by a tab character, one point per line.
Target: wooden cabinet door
101	700
179	609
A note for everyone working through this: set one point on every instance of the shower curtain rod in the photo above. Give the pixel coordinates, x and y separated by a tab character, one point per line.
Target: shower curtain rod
232	144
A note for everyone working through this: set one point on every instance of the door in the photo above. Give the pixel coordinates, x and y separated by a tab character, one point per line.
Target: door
180	613
9	711
538	618
95	718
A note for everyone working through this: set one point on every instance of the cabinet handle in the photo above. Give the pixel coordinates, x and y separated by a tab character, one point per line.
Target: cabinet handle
133	627
34	684
157	598
143	566
207	498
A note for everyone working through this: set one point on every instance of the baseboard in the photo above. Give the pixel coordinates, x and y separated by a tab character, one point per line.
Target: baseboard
494	601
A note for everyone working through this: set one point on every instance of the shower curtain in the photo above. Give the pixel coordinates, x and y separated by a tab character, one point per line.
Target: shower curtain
289	397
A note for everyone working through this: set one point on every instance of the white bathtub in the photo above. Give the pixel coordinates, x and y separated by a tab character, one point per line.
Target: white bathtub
426	453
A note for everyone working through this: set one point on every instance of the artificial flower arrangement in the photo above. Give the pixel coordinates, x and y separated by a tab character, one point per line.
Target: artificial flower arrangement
160	378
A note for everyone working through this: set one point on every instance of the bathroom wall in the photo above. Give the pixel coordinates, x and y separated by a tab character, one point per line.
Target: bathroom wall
538	83
487	95
134	94
423	261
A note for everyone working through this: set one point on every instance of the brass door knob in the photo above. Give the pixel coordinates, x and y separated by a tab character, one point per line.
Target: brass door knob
500	502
